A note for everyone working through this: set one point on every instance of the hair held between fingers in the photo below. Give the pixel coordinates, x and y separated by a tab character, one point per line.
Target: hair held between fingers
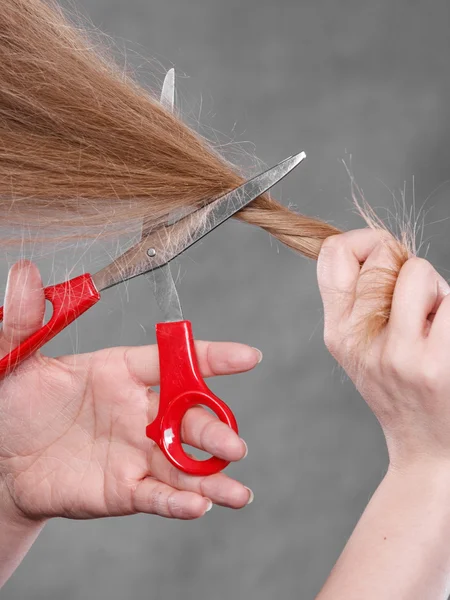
86	151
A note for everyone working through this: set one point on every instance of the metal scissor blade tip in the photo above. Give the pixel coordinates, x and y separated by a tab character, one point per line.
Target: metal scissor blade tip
272	176
299	157
290	163
168	90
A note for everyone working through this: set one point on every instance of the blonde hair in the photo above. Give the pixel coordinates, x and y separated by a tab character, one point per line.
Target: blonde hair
82	145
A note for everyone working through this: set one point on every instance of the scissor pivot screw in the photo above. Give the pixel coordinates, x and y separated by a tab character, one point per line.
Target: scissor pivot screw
151	252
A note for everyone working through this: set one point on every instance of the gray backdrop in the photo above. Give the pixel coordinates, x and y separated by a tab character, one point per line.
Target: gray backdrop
336	78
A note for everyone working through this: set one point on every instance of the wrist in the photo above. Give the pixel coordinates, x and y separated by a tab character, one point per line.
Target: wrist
432	471
11	515
17	533
424	484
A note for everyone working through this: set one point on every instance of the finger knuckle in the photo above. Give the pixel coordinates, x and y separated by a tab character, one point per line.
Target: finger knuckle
419	268
331	245
394	361
331	341
429	378
158	500
339	343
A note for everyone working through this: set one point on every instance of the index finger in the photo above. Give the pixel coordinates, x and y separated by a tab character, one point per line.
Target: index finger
338	269
214	358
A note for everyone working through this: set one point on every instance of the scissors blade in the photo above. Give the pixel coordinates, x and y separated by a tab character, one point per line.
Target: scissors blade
167	98
206	219
166	243
166	294
161	279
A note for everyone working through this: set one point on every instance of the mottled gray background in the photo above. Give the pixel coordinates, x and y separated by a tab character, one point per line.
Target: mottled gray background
336	78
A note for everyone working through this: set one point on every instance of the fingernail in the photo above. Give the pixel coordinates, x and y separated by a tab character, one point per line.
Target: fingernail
209	507
251	496
260	354
246	448
444	287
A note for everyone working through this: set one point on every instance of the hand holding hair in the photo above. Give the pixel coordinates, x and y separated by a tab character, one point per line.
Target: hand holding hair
400	547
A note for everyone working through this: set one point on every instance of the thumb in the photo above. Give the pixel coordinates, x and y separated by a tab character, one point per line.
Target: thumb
24	307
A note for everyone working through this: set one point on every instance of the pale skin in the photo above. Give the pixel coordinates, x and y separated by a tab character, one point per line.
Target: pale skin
72	433
400	548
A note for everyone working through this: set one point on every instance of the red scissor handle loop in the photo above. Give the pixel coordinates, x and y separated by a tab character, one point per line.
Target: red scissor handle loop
70	299
181	388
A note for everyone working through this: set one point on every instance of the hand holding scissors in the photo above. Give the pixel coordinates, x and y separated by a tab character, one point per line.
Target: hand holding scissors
182	386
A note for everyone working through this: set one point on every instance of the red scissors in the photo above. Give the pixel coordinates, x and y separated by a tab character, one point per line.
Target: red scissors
181	384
